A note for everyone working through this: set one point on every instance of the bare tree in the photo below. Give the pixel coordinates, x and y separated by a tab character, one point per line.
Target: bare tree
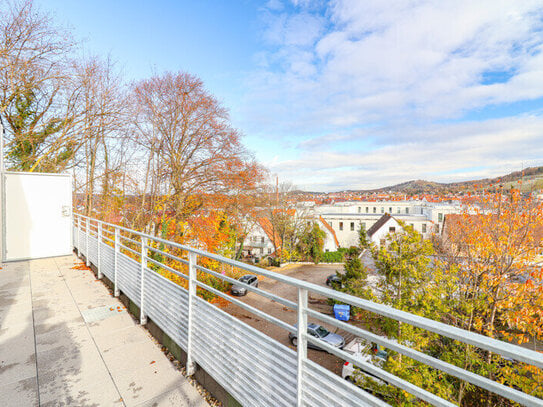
188	137
100	124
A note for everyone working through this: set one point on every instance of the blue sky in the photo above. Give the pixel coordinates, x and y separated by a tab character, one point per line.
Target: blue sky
347	94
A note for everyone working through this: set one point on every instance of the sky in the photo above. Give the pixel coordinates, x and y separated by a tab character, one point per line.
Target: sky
345	94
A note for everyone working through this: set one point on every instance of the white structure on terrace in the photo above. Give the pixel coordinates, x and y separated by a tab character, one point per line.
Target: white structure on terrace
344	219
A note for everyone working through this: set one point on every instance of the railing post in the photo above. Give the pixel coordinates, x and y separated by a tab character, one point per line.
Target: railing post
143	317
87	251
116	291
193	259
99	244
302	341
77	234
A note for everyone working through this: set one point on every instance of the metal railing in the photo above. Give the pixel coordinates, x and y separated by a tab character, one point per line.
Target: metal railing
251	366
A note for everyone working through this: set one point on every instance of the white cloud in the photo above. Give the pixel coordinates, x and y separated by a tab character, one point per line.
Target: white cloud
400	67
442	153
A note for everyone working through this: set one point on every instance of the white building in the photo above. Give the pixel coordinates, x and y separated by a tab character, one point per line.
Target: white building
346	218
387	224
258	242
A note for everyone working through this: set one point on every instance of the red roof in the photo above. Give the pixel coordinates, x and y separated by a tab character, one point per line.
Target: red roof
267	227
330	229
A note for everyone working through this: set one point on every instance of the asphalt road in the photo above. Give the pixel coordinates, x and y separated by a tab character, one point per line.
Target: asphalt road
312	273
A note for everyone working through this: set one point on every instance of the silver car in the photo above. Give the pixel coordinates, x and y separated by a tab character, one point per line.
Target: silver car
248	279
321	333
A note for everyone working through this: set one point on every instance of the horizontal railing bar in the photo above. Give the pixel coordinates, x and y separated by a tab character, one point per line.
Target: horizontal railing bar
368	398
238	381
130	240
108	239
503	348
448	368
382	374
169	255
278	371
279	357
241	304
164	266
263	293
129	249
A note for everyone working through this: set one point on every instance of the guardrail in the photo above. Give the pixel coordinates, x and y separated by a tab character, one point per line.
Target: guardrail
254	368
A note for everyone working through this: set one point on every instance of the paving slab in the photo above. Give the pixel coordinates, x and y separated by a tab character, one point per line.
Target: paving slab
65	341
20	393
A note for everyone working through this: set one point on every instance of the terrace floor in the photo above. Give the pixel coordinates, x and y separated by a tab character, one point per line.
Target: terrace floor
64	340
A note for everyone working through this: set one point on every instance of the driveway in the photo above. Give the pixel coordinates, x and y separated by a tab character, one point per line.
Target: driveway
311	273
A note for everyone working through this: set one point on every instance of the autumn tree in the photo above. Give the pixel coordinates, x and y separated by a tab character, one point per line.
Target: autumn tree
494	251
188	140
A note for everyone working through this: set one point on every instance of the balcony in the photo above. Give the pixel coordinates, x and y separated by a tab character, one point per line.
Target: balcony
65	341
221	351
249	365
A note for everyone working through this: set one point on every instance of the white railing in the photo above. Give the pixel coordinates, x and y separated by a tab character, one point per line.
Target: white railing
254	368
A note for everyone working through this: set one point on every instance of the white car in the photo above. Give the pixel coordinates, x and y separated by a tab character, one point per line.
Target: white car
370	353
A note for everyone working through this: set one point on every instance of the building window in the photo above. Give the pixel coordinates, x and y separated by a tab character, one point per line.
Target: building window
424	228
390	210
262	240
261	250
399	210
440	217
382	209
406	210
359	209
391	229
340	225
374	209
367	209
437	228
269	250
352	225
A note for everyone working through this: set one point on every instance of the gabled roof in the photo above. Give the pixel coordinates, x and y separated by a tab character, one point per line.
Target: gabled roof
377	225
267	227
330	229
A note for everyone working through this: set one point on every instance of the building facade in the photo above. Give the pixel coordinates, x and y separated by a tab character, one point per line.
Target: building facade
344	219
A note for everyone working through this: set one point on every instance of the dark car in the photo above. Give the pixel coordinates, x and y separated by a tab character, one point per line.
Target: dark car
321	333
248	279
333	281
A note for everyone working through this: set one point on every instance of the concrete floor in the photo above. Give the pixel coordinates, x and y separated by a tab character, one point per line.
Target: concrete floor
64	340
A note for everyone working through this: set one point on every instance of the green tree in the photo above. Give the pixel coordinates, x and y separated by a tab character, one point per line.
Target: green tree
311	242
29	141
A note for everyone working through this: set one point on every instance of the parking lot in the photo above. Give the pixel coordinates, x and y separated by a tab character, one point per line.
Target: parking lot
312	273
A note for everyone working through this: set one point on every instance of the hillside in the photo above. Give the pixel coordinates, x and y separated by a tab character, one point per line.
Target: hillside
532	179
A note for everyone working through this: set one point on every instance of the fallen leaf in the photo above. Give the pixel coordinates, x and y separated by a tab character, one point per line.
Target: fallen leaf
152	362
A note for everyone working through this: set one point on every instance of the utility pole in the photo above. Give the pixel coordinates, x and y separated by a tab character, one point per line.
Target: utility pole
277	191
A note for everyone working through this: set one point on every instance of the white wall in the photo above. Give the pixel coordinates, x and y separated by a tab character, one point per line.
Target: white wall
422	215
37	215
385	230
253	242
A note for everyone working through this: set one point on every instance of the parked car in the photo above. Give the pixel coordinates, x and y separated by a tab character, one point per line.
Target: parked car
248	279
333	281
370	353
321	333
